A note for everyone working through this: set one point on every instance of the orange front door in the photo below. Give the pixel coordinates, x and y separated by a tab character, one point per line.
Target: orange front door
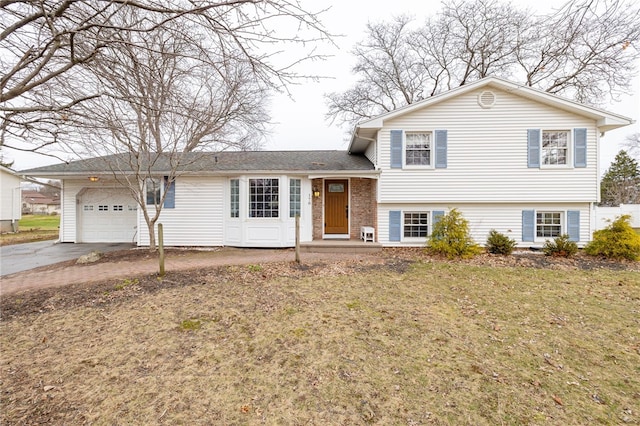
336	206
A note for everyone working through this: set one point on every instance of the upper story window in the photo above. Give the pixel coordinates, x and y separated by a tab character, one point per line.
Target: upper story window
294	197
555	147
234	194
417	150
263	197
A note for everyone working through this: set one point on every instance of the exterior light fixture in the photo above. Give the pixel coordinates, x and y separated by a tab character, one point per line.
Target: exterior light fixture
316	192
94	178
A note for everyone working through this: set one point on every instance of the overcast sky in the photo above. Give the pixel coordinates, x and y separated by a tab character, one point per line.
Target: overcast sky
299	123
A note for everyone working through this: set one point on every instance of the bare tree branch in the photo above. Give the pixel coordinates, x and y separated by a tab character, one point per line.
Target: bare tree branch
586	50
47	48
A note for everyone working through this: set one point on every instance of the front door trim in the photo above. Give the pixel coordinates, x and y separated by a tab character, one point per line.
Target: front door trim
325	208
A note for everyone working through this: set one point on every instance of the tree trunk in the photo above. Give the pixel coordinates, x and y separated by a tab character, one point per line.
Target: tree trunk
152	235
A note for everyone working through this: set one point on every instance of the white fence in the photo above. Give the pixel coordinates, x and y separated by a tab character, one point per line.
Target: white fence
609	213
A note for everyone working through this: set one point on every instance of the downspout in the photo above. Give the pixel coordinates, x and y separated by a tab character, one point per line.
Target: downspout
594	206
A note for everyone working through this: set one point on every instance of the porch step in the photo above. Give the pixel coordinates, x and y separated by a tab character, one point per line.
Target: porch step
340	246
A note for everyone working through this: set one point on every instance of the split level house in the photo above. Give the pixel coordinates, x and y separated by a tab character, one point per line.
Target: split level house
509	157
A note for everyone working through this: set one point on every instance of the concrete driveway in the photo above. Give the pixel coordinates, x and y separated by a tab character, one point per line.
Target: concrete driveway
22	257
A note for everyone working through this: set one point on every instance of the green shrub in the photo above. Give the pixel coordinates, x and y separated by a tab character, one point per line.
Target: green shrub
498	243
616	241
450	237
561	246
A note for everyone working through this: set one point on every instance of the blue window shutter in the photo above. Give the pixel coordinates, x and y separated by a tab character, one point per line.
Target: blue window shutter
580	147
441	149
573	225
437	215
396	149
528	225
170	199
533	148
395	225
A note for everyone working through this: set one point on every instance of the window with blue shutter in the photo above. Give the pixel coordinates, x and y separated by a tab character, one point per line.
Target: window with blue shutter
580	147
573	225
533	148
528	225
441	149
396	149
395	225
170	198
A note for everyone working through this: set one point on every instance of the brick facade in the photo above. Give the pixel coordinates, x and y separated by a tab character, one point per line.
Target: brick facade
363	205
363	209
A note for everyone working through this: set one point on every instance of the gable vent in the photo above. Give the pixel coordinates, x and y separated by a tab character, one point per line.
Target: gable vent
487	99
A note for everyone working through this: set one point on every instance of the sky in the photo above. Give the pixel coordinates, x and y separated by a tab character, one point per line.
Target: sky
298	120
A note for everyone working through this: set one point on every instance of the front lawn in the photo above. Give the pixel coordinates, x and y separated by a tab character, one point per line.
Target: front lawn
345	343
33	228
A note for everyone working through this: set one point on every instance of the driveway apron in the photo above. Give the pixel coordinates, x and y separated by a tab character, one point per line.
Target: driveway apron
23	257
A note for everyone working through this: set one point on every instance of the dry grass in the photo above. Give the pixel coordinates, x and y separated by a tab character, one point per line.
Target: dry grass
439	343
33	228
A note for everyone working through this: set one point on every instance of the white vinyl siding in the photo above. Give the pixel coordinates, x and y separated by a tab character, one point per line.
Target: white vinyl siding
503	217
487	155
197	219
371	153
10	200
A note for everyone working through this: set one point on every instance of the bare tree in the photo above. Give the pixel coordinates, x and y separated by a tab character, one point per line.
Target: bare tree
162	106
632	145
585	50
47	47
389	72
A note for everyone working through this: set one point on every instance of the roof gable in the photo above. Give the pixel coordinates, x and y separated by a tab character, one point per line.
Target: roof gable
365	131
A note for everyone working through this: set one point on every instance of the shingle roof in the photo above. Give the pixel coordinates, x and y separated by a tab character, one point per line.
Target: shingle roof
208	162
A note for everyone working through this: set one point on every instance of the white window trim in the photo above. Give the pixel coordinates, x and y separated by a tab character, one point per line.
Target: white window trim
569	164
563	224
280	203
228	198
432	151
162	190
289	205
416	239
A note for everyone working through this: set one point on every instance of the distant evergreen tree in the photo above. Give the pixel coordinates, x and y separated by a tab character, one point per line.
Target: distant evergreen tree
621	183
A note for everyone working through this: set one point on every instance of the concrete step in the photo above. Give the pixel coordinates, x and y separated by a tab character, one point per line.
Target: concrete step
340	246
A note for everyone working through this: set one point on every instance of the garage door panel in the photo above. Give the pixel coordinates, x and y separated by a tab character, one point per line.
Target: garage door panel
107	216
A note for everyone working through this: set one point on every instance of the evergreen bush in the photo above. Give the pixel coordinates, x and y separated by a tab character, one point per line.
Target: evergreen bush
616	241
498	243
451	238
561	246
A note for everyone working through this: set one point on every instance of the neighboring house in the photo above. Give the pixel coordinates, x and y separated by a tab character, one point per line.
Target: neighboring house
34	202
10	212
509	157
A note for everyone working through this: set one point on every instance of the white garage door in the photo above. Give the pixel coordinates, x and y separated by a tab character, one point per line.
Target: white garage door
107	216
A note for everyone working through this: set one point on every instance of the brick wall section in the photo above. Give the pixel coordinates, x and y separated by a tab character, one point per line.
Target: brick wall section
362	206
316	208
